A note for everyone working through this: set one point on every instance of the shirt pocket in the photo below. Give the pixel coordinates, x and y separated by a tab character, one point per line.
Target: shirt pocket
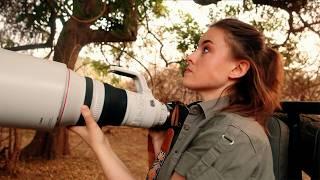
209	174
205	164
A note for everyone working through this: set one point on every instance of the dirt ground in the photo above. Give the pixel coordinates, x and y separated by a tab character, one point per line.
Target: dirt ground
129	143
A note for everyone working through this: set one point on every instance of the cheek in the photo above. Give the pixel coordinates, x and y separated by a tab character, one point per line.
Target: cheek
197	78
207	74
190	80
220	68
217	73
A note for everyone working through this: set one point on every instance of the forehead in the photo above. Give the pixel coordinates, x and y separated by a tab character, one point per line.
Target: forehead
215	35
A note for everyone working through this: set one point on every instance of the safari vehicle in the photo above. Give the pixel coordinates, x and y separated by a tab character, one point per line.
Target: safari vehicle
294	134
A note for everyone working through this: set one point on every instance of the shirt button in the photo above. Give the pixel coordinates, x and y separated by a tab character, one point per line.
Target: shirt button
194	111
186	127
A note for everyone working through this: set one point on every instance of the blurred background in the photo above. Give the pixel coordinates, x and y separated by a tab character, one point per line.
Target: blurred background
152	37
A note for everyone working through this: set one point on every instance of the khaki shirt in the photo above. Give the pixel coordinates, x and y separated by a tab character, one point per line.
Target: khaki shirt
219	145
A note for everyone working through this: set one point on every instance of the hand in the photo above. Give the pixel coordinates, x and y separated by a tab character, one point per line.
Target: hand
157	138
91	133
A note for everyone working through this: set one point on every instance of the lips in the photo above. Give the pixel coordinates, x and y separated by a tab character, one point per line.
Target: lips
188	70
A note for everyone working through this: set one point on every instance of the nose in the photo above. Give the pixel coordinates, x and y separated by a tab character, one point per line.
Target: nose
191	58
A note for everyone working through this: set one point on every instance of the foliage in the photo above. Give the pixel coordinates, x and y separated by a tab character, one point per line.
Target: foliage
188	33
35	21
275	24
33	24
97	70
32	20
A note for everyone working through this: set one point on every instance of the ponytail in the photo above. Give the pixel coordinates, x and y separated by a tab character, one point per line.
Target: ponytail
256	94
271	72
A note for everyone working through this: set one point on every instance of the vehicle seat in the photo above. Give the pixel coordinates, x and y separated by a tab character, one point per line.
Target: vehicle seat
278	134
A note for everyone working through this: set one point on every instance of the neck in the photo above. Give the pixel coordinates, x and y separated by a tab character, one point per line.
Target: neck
206	96
210	94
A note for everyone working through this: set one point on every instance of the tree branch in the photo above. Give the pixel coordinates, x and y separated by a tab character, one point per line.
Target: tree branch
300	29
99	36
308	25
290	22
121	53
29	46
128	33
144	67
175	62
93	19
49	54
105	57
292	5
49	43
154	36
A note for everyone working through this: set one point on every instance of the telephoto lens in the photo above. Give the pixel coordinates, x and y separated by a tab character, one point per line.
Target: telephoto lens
42	94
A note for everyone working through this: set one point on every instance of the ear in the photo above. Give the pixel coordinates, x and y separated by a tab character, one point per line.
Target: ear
240	69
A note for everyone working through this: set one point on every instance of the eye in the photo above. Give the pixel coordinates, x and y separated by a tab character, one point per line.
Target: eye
205	50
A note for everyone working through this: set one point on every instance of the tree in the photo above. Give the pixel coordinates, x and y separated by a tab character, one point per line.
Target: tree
292	21
306	12
84	22
33	25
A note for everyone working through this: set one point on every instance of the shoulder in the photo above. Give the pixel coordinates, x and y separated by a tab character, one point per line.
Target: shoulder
225	143
245	129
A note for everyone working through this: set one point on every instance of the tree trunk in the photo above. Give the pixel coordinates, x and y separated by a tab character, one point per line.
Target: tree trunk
14	146
74	35
51	145
47	145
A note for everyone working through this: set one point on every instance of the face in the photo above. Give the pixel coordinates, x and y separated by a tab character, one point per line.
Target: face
209	67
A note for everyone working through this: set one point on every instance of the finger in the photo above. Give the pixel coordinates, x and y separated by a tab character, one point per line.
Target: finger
86	113
79	130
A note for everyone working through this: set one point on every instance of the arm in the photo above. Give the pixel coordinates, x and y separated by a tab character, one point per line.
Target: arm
157	139
92	134
112	166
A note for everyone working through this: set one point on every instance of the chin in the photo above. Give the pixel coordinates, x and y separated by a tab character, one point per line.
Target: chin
189	85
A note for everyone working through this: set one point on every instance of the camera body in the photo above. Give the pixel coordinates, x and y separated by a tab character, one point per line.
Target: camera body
41	94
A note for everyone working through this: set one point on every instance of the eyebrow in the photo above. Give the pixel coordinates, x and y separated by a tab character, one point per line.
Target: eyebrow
205	41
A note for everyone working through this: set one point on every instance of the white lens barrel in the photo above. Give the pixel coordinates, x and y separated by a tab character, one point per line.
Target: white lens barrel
31	91
78	88
97	99
73	99
143	110
42	94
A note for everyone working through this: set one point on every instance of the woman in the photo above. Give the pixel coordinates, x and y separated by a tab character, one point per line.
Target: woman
223	137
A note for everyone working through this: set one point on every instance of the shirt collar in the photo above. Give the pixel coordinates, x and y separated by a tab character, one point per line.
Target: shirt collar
214	105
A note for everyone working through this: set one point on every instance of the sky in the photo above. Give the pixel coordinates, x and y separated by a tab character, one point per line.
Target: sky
310	43
200	13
